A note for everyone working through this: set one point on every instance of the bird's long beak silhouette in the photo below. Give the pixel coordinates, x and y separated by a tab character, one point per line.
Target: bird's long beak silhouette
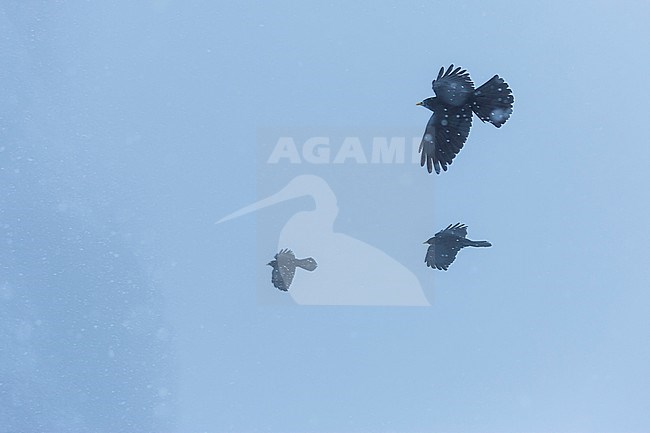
418	103
304	185
280	196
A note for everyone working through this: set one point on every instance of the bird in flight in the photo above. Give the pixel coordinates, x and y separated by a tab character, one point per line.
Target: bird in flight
455	100
444	246
284	268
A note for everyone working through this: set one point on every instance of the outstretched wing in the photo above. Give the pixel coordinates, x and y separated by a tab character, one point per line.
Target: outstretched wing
442	253
284	252
277	280
444	136
457	229
453	87
286	266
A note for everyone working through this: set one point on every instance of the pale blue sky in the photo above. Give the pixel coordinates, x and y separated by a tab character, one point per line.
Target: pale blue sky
128	128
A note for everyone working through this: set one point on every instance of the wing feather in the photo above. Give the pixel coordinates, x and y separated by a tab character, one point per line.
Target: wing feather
454	87
441	254
444	136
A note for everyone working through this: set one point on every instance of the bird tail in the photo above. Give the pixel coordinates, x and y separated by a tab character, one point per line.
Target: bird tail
478	243
493	101
308	264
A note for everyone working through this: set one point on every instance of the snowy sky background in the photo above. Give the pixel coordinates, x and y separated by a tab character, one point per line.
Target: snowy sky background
128	128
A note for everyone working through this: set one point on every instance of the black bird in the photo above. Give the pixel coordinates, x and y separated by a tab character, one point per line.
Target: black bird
452	108
444	246
284	267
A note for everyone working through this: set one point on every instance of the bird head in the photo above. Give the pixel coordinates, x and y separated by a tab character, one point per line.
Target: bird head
271	263
429	241
427	103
